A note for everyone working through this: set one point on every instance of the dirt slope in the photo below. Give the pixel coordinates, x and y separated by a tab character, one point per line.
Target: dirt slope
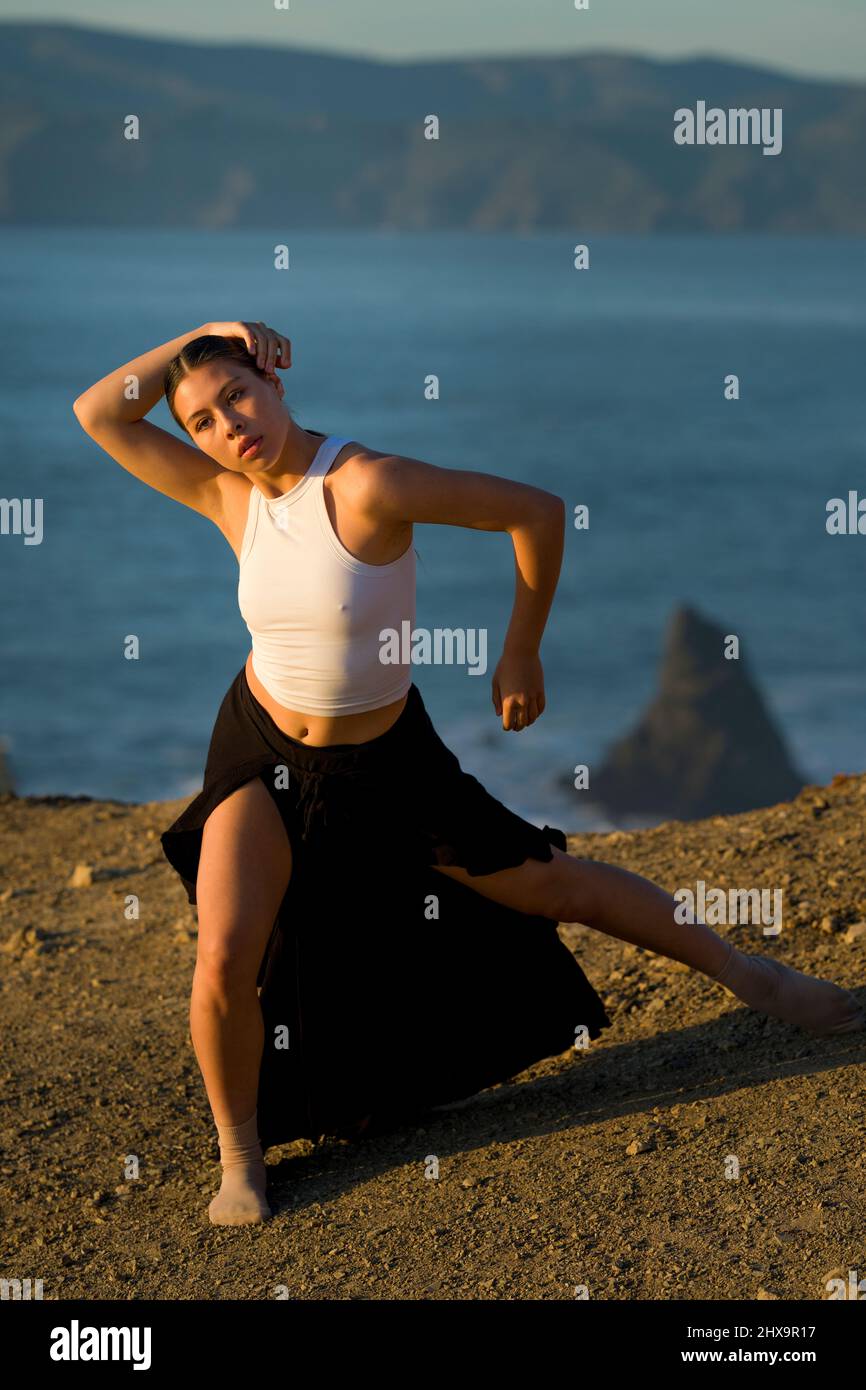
614	1169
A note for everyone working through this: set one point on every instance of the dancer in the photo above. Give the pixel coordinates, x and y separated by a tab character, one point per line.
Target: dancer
325	772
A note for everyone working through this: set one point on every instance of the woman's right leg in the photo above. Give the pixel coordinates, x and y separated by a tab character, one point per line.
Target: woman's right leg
244	870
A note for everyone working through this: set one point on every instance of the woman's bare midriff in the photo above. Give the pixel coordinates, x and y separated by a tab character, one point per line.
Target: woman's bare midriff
320	730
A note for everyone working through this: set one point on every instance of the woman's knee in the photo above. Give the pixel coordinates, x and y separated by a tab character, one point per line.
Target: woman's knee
226	968
229	952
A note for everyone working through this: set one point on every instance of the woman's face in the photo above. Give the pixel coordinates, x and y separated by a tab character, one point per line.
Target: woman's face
224	407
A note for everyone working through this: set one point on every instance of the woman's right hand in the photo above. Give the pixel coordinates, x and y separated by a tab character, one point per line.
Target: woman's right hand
270	348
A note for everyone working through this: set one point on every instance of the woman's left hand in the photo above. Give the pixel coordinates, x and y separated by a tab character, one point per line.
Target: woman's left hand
518	689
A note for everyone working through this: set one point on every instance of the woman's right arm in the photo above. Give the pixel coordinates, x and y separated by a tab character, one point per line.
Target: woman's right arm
116	423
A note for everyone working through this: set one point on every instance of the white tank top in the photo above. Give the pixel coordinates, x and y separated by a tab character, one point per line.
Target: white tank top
316	614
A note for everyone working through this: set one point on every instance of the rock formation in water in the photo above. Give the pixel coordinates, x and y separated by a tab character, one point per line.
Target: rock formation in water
706	744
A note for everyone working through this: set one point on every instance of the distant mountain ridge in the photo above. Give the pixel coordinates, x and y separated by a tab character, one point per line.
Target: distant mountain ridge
250	136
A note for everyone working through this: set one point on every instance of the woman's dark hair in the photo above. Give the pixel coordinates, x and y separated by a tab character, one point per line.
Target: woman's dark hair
207	347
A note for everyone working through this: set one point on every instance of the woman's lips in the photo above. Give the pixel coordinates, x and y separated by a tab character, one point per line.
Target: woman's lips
250	452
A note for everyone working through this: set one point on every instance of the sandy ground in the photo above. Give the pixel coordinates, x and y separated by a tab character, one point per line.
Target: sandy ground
697	1150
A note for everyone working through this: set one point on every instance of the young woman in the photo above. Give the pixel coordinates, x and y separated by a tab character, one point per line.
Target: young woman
400	921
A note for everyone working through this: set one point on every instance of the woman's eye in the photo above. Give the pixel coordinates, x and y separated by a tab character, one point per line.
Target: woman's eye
238	391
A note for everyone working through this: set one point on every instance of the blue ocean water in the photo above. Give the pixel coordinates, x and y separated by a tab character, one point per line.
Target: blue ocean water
605	386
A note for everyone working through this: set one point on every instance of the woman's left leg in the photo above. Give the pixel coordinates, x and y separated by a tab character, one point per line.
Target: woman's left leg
622	904
603	896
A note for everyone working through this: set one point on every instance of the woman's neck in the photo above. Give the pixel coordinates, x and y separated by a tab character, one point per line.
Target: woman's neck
293	464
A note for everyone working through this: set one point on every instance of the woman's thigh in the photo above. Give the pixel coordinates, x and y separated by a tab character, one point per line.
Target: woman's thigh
244	870
561	888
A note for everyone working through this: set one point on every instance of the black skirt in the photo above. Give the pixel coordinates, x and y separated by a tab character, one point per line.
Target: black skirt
388	988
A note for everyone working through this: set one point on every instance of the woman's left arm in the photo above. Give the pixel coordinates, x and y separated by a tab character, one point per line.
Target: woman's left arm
402	489
518	681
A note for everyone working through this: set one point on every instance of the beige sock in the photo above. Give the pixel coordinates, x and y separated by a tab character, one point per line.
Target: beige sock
772	988
241	1198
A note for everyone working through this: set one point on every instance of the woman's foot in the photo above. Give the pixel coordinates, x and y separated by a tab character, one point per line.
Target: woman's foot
770	987
241	1198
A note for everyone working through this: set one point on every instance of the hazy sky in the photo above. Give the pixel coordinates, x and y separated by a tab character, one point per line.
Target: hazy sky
819	37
